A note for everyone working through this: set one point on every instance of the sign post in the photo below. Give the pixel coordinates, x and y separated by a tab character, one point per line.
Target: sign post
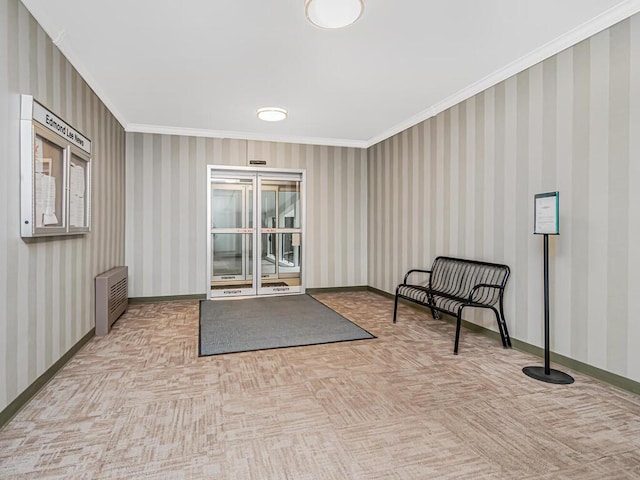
545	214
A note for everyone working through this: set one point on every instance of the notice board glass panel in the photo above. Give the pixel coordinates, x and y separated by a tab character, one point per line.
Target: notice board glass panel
48	178
79	193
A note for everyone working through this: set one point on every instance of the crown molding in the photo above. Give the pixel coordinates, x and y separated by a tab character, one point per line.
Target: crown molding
262	137
569	39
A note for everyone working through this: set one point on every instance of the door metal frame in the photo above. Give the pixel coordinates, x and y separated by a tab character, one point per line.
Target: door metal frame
244	188
258	175
244	230
261	228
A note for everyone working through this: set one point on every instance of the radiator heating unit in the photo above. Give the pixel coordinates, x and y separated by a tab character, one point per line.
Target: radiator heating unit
112	297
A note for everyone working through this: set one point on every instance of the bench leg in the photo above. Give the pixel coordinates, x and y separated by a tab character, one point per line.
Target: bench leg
504	326
395	307
500	327
458	325
434	312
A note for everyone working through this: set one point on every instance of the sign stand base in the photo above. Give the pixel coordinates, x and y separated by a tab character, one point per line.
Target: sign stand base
554	376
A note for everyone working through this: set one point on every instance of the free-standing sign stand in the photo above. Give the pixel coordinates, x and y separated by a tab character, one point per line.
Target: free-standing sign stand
546	208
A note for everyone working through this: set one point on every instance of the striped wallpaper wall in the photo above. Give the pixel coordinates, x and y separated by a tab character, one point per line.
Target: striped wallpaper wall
46	286
462	183
166	209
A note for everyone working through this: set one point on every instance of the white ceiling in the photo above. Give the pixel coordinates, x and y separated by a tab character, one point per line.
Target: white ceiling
203	67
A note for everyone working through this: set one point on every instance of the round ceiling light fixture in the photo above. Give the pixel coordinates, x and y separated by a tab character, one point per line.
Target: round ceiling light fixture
272	114
333	13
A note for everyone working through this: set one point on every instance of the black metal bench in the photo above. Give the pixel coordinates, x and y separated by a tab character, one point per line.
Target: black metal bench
454	284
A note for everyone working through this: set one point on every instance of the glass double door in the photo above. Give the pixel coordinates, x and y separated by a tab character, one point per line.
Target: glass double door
256	240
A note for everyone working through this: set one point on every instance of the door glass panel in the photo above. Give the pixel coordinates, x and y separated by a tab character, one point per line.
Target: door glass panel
289	206
232	254
249	256
269	250
249	221
286	271
290	252
269	208
226	206
227	254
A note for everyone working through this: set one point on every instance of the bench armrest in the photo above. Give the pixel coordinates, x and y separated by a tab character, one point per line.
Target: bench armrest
404	282
483	285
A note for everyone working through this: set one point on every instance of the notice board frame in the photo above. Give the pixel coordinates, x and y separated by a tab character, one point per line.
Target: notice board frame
55	174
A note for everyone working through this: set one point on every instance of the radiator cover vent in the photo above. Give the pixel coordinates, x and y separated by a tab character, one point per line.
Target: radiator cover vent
112	297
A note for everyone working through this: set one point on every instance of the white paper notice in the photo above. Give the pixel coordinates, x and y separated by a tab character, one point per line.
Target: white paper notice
546	215
45	200
77	190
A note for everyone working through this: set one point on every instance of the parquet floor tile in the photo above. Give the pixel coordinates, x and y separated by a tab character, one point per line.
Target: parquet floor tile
140	403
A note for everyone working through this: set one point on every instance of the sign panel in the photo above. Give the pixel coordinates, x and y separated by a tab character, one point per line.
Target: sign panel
48	120
546	214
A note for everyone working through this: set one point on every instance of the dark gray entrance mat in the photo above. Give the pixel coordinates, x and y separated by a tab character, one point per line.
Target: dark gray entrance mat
228	326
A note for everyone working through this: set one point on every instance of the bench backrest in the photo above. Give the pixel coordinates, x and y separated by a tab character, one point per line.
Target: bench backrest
457	277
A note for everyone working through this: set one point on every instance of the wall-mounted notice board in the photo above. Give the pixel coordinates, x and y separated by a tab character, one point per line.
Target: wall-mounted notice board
55	172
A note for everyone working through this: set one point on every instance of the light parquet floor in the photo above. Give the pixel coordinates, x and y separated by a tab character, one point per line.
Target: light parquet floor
139	403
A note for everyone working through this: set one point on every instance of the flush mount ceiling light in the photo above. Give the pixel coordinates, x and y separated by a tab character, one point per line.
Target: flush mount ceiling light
272	114
333	13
